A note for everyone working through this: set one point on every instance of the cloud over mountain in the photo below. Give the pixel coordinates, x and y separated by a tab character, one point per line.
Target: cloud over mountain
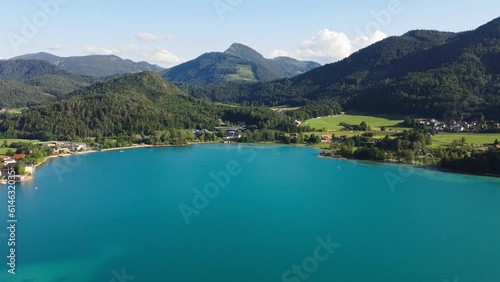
329	46
145	36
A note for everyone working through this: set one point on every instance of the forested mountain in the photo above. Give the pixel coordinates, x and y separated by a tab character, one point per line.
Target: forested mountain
28	82
238	63
133	104
421	72
94	65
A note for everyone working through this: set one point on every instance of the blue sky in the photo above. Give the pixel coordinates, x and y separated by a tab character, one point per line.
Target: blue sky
170	32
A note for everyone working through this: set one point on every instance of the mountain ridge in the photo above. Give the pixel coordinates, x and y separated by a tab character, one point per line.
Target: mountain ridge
93	65
422	72
238	63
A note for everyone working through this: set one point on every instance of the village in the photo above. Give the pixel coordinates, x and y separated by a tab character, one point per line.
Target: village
459	126
24	159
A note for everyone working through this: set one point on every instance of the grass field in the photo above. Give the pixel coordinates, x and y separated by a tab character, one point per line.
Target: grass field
332	123
243	72
391	123
445	139
3	151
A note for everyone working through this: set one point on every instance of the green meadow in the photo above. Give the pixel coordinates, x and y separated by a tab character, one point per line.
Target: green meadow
445	139
333	123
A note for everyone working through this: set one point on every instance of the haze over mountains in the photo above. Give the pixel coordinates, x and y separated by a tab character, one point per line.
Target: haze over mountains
93	65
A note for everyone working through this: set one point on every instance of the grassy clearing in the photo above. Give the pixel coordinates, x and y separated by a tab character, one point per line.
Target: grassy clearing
284	108
333	123
445	139
3	151
243	72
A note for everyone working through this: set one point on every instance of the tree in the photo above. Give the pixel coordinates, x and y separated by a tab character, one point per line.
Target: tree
20	168
382	128
363	126
4	144
496	142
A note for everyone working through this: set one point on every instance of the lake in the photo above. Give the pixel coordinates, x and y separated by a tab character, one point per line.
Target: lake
231	213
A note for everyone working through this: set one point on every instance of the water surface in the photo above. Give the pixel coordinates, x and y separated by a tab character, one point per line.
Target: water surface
96	216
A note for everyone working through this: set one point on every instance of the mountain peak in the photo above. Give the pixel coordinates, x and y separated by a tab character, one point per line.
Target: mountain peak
244	52
238	63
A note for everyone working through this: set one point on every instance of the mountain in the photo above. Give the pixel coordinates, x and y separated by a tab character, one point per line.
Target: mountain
94	65
423	72
28	82
238	63
133	104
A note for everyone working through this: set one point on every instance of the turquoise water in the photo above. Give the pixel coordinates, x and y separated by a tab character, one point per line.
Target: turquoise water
100	216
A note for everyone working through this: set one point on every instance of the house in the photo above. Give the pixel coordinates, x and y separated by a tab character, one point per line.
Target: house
458	129
30	168
81	147
229	128
19	156
7	168
293	136
497	146
326	139
65	150
231	135
9	162
297	122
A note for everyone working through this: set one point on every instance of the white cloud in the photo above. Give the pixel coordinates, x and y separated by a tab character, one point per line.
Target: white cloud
57	47
330	46
93	50
144	36
161	56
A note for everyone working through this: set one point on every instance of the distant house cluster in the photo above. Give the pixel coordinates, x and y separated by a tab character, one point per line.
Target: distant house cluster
454	125
62	148
10	164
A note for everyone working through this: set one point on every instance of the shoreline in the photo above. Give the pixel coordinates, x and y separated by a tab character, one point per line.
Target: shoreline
46	159
427	167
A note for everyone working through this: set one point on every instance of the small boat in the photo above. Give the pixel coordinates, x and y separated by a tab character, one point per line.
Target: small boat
122	151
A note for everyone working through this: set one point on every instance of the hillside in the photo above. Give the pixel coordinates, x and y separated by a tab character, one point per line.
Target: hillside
238	63
421	72
133	104
93	65
28	82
